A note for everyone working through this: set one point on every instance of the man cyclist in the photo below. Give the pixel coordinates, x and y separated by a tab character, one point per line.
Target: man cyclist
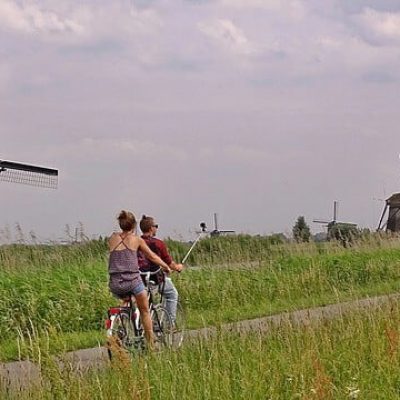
149	231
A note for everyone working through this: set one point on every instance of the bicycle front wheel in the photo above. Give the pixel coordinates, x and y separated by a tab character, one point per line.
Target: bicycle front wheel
179	327
162	326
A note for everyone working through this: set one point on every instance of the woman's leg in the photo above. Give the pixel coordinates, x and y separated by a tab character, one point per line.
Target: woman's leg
143	305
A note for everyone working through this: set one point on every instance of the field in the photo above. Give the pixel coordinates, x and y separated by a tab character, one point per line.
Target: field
54	298
348	358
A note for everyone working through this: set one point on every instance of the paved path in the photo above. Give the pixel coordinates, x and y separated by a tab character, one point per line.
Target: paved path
23	374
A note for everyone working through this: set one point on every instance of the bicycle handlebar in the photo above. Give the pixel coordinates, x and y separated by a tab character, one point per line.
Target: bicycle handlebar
150	272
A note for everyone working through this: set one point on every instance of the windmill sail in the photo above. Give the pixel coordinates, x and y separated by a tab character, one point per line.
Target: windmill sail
216	231
28	174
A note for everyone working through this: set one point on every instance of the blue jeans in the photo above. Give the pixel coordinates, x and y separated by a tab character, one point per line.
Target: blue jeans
171	297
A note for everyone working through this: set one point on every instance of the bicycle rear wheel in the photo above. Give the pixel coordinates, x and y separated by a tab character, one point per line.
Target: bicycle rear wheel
162	326
123	333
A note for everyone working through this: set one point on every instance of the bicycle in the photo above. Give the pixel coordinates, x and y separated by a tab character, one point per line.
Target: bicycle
124	326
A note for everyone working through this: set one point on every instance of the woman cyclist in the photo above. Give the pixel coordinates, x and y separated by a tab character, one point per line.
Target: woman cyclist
125	280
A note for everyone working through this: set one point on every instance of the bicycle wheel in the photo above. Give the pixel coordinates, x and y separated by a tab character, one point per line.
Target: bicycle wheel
179	327
162	326
122	333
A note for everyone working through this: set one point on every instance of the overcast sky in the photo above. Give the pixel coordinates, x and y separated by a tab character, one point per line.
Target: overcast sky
259	110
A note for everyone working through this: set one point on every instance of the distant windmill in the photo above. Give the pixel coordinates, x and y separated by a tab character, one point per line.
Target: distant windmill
216	231
393	221
28	174
335	216
336	229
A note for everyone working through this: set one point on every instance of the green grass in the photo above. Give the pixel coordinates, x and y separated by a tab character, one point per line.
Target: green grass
55	341
357	356
287	283
61	292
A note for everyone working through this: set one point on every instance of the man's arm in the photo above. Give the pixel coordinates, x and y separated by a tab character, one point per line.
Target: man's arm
176	267
153	256
166	257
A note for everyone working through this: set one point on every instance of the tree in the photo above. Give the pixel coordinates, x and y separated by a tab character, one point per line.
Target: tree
343	232
301	231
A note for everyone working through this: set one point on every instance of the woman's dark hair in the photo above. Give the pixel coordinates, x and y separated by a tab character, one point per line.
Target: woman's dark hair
127	220
146	223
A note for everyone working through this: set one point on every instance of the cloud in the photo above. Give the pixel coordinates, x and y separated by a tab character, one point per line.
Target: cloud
91	23
30	18
219	92
246	155
121	149
238	155
380	27
228	35
292	8
329	42
5	75
268	4
145	21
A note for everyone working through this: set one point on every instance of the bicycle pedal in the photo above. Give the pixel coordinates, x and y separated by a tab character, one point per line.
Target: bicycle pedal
157	328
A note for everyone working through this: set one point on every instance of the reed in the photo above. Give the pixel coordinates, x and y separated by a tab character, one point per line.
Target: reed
352	357
61	292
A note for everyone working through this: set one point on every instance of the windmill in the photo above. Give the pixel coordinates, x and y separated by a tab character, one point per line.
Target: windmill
216	231
335	214
27	174
338	230
393	221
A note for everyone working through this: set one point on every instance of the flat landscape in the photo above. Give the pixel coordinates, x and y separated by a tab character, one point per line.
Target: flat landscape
54	299
264	131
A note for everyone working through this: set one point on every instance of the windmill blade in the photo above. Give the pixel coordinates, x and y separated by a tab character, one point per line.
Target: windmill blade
28	174
320	221
216	231
335	210
215	221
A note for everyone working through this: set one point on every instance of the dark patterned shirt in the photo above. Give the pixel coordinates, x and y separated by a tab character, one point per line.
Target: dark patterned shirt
156	246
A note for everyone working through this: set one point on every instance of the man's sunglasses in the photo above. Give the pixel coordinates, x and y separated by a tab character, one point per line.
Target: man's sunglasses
155	226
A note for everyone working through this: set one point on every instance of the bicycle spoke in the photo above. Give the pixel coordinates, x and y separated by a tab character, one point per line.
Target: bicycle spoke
162	325
123	333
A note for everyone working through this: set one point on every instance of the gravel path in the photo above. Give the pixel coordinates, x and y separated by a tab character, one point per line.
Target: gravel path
23	374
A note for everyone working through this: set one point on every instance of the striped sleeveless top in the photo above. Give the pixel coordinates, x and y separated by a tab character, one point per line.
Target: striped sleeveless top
123	262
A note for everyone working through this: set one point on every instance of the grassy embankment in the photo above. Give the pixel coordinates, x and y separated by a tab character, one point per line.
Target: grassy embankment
357	356
59	294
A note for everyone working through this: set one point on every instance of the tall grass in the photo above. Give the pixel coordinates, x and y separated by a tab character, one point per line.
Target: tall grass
233	249
62	291
357	356
23	257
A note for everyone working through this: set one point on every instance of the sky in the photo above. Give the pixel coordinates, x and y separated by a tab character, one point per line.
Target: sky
258	110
